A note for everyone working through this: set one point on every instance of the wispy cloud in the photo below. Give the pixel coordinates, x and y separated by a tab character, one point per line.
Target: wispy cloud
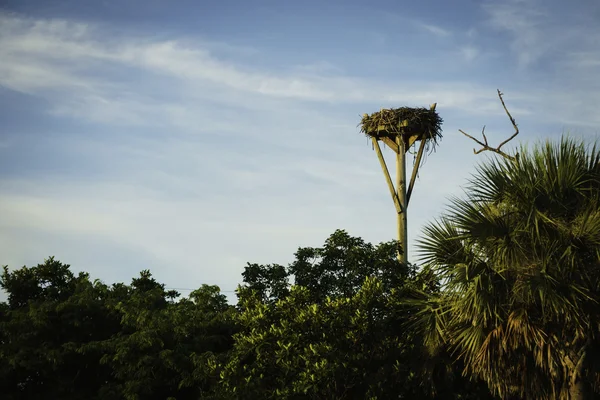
199	163
469	52
434	29
558	46
535	32
471	32
524	21
191	157
65	55
583	59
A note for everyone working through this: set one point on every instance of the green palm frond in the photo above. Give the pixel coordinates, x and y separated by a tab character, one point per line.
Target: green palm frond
441	244
519	260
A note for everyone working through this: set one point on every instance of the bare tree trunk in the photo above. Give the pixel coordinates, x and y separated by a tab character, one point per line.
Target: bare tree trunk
578	385
401	193
579	390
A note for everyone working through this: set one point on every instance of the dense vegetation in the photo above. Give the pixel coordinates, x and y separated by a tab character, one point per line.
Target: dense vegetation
505	305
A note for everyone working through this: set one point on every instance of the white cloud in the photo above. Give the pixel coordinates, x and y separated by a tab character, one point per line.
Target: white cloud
556	50
524	21
583	60
434	29
470	53
537	31
210	163
50	56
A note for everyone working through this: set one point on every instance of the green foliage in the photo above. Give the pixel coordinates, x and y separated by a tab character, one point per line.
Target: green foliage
268	282
67	337
338	269
342	332
507	300
520	261
49	313
343	348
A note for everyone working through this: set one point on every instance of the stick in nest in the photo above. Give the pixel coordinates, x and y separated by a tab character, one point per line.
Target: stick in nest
486	146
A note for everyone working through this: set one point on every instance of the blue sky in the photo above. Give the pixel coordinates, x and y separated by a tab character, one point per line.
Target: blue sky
191	137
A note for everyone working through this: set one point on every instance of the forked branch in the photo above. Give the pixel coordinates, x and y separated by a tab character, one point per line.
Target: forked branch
485	145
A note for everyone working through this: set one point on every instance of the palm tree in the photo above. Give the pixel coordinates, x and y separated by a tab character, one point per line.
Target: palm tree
519	262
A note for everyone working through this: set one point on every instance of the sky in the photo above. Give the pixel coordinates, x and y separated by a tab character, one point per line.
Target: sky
191	137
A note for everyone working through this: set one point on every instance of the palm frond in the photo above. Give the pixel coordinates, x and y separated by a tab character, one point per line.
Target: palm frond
519	259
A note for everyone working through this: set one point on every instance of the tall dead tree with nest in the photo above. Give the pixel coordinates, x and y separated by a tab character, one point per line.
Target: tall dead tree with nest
400	129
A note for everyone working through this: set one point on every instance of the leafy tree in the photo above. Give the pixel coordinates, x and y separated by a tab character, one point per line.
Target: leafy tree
66	337
339	333
49	314
519	259
268	282
338	269
344	348
162	344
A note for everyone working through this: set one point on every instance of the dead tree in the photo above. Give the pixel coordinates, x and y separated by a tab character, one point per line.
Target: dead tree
485	146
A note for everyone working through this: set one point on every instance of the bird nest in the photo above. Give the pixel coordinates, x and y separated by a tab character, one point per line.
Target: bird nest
411	124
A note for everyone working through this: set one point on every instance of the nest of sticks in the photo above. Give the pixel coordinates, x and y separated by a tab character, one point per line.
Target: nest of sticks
416	123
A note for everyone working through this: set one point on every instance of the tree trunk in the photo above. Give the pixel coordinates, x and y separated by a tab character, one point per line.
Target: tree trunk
578	390
578	385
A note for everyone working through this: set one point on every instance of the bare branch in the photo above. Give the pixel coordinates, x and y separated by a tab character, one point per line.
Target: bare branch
485	146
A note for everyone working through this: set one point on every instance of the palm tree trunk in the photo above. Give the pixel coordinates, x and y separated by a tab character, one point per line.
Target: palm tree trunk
579	390
578	386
